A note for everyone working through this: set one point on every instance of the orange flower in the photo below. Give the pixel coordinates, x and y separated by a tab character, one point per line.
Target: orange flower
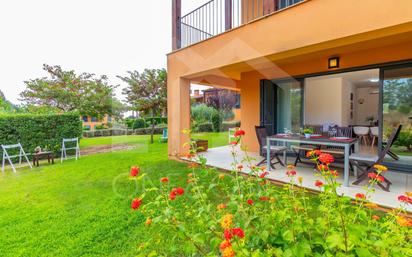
291	167
164	180
360	196
334	173
228	252
404	222
380	168
326	158
148	221
318	183
371	205
239	167
409	194
264	198
192	165
322	167
225	244
221	176
226	221
375	217
190	175
221	206
190	155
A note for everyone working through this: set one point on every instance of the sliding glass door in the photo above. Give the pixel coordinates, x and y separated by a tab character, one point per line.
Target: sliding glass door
397	110
289	105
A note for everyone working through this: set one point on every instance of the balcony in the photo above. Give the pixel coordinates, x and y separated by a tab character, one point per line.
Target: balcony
217	16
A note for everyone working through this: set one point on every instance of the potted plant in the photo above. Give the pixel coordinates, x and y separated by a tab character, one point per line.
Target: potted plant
308	132
370	119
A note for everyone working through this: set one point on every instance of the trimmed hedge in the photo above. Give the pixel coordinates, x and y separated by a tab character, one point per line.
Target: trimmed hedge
205	127
226	125
46	131
122	132
136	123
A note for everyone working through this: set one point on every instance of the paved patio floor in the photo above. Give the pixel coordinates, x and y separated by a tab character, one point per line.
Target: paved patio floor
221	157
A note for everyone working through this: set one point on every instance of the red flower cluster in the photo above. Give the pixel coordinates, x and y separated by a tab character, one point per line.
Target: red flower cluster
136	203
291	173
264	198
134	171
263	174
239	133
322	167
318	183
326	158
234	232
373	175
313	153
175	192
250	202
164	180
334	173
360	196
405	199
225	244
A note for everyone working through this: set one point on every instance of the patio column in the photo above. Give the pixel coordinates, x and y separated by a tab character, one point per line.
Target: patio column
178	103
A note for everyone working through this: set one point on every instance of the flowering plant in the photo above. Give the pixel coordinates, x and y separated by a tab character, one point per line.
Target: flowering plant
218	214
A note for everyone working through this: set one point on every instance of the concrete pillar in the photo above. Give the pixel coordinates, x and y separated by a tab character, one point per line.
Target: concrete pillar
178	102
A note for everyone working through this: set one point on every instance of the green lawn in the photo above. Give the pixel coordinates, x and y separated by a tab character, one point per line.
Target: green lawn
82	208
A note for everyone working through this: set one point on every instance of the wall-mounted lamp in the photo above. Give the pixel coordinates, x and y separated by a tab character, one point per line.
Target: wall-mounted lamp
333	62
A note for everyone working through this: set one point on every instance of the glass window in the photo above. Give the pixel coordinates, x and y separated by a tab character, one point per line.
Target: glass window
85	118
397	110
289	109
94	119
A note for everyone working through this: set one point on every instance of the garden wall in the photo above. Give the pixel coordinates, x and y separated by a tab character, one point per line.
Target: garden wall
46	131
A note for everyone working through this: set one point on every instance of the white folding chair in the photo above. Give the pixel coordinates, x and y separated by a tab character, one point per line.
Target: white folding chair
9	157
70	141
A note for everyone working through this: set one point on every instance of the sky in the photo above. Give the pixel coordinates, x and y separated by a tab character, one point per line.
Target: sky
104	37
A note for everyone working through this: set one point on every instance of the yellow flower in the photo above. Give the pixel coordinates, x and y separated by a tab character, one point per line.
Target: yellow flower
291	167
226	221
148	221
272	200
221	176
300	179
190	175
380	167
371	205
228	252
409	194
404	222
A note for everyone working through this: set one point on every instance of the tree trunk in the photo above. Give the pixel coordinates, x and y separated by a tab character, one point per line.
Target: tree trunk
153	128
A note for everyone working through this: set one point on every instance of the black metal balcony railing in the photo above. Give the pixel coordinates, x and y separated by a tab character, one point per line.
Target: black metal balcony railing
218	16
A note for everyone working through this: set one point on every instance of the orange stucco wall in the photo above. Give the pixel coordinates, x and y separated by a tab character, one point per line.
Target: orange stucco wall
294	41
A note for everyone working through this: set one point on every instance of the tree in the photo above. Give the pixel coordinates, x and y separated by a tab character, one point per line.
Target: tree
66	91
147	92
6	106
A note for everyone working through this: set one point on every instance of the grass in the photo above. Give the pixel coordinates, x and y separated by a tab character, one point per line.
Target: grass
82	208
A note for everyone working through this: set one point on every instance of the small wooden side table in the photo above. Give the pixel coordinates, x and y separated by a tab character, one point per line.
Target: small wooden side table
39	155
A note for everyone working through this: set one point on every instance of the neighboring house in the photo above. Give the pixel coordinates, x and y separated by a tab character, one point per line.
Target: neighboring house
295	63
224	96
197	96
91	122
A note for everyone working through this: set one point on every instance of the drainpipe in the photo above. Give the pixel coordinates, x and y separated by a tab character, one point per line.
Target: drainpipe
176	25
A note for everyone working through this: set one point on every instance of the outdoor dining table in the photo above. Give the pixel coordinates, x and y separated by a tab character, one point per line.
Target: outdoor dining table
346	144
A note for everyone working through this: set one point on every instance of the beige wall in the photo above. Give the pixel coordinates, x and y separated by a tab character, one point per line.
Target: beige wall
323	101
370	106
347	89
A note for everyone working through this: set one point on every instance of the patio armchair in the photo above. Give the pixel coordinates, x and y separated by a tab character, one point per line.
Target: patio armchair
365	162
275	150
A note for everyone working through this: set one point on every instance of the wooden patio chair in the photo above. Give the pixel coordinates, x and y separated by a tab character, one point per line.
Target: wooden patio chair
275	150
366	162
7	156
300	149
72	141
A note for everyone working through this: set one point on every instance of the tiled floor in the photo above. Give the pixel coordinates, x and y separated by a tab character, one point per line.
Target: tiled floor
220	157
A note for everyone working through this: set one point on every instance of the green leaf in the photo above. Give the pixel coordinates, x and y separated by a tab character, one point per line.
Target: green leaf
363	252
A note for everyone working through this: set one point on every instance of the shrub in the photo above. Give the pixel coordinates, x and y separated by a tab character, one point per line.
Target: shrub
156	120
217	121
139	123
202	113
205	127
224	215
405	140
226	125
129	122
46	131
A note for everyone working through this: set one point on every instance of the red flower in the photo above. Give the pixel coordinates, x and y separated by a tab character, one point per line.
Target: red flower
375	217
225	244
180	191
233	143
263	174
291	173
326	158
318	183
136	203
227	234
322	167
250	202
313	153
380	178
239	166
334	173
264	198
405	199
134	171
238	232
360	196
239	133
164	180
172	195
373	175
